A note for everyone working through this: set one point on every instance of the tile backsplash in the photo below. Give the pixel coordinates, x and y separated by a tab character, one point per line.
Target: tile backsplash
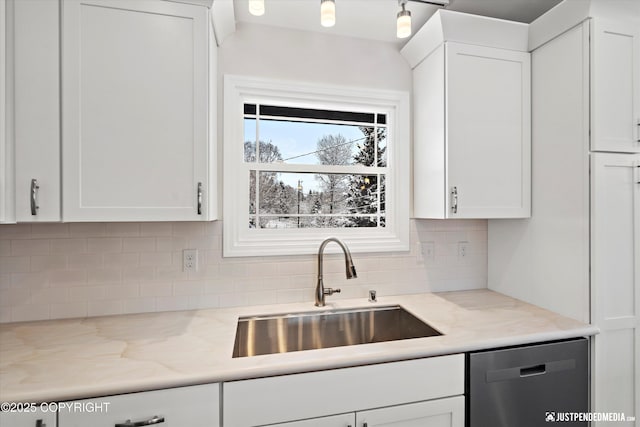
53	271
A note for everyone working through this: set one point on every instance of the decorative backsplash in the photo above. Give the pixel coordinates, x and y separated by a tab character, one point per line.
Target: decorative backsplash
54	271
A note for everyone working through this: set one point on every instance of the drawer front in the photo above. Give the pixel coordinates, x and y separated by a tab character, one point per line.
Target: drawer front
197	406
343	420
316	394
28	419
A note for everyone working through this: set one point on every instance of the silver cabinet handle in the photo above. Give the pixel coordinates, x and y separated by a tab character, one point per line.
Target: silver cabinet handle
199	198
454	200
34	197
151	421
40	423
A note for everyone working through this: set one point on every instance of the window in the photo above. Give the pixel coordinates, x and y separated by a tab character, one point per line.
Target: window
302	163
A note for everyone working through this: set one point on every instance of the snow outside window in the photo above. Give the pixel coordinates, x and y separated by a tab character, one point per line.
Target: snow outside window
302	163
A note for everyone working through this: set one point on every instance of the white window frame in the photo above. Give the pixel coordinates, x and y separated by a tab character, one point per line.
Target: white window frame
240	240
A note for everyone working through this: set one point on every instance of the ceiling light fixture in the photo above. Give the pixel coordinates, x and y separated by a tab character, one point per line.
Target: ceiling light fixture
403	22
256	7
327	13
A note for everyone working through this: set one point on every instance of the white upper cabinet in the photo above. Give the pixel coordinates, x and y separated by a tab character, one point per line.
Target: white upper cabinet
135	111
35	104
472	137
6	180
615	92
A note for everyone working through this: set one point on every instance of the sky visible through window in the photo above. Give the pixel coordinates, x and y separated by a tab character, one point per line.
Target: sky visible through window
297	142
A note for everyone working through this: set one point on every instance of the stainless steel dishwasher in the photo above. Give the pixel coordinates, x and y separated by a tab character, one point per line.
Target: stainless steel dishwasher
528	386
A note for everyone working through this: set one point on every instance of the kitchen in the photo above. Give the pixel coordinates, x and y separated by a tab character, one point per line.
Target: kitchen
105	234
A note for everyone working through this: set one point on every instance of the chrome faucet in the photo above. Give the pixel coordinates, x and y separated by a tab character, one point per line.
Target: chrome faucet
321	291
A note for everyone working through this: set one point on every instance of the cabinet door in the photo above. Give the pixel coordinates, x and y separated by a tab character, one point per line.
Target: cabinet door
615	285
488	125
615	91
28	419
434	413
344	420
135	96
36	109
6	167
196	406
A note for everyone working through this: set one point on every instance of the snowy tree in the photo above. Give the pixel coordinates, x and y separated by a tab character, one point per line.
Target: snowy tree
334	150
273	193
269	152
362	194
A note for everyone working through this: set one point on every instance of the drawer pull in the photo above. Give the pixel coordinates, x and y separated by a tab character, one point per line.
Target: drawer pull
151	421
40	423
530	370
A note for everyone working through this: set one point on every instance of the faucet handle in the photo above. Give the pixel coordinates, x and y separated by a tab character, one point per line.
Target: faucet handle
331	291
372	296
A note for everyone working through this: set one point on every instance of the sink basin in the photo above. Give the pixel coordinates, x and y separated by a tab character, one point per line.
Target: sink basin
336	328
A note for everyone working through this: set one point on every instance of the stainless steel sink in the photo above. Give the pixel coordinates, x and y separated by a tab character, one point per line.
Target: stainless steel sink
313	330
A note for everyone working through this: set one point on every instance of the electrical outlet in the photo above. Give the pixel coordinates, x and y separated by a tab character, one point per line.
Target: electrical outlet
190	260
463	249
428	251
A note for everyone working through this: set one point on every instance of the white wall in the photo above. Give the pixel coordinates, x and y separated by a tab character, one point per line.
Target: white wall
544	260
50	271
277	53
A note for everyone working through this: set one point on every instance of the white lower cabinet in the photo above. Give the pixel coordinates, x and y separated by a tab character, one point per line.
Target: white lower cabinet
38	418
390	386
414	393
343	420
434	413
447	412
195	406
615	281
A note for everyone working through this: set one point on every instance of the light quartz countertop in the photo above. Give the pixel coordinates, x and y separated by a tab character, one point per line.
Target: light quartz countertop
81	358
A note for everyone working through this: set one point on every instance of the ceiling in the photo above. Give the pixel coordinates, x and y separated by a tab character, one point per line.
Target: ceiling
375	19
